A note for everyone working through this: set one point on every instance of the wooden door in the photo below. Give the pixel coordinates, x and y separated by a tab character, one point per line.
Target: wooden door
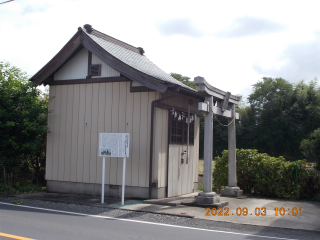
180	173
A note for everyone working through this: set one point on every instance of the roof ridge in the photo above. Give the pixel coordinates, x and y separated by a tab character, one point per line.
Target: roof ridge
113	40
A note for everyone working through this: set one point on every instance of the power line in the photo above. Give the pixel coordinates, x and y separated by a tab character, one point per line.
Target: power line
7	1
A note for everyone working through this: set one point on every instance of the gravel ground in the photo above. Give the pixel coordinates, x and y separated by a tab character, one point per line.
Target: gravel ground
173	220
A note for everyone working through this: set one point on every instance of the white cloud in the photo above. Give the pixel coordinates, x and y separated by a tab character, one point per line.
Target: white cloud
300	62
250	26
178	26
178	36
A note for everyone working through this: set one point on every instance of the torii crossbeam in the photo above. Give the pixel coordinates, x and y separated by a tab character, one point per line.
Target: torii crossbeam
224	106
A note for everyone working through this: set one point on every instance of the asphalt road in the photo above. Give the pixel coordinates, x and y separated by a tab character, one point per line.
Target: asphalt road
39	223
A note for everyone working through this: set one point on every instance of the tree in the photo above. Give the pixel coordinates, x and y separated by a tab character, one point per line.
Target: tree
277	127
184	80
311	147
23	121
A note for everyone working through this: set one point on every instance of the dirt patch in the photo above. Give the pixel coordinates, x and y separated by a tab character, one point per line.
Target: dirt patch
200	179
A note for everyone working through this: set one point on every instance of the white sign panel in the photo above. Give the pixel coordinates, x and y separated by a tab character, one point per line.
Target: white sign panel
114	145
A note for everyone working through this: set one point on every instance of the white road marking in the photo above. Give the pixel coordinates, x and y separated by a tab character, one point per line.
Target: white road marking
138	221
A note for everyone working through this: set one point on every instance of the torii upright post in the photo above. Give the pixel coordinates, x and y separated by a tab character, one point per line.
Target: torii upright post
207	196
232	189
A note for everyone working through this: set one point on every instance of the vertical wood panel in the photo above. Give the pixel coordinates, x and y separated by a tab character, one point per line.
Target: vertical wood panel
94	133
106	71
160	150
62	134
75	131
152	97
87	134
75	68
68	132
164	173
56	132
101	127
143	139
170	174
50	135
155	155
196	152
122	124
190	168
108	125
129	129
115	129
136	139
176	169
81	131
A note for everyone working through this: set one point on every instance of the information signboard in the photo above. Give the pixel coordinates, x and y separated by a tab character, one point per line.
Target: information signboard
114	145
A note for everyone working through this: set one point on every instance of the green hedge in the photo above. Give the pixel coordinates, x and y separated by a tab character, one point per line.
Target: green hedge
261	175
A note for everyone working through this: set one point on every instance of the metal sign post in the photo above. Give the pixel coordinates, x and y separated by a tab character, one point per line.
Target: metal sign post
103	173
123	180
114	145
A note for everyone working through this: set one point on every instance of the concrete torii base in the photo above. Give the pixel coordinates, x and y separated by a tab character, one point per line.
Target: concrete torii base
207	198
232	192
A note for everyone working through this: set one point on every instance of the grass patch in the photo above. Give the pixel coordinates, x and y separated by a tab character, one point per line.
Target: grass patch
200	169
200	186
17	188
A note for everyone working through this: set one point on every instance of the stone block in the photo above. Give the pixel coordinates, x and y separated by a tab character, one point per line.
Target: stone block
207	198
232	192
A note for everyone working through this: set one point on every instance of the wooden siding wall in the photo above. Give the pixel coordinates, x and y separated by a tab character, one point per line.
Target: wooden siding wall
106	71
79	112
77	67
161	124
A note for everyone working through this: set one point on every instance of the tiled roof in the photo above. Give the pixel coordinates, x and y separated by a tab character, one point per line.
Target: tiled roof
131	56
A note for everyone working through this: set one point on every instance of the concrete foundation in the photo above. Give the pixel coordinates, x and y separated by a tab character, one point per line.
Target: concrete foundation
232	192
112	191
207	198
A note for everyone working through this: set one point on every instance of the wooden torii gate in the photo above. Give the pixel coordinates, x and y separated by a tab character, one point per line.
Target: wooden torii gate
224	106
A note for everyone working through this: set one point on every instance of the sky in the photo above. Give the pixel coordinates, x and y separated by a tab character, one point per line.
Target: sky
232	44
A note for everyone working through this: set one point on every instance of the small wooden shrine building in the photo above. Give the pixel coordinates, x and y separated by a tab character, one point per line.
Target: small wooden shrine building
101	84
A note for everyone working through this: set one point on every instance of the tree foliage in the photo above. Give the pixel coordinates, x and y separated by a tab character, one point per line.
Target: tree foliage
185	80
23	121
279	117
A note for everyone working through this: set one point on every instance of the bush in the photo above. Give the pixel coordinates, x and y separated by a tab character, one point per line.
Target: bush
311	147
264	176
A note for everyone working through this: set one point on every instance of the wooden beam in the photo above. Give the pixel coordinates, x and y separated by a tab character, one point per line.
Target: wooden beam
88	80
89	64
166	106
